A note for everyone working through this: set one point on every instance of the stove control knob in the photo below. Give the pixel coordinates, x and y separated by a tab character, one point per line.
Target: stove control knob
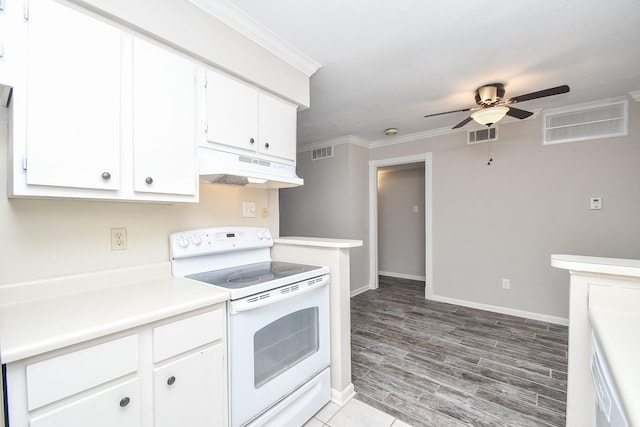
267	235
259	234
182	242
196	240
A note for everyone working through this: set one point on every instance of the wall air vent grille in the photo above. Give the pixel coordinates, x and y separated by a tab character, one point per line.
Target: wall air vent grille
322	153
586	122
482	135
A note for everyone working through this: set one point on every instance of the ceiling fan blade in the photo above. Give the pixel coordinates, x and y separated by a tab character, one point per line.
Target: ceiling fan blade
518	113
448	112
462	123
539	94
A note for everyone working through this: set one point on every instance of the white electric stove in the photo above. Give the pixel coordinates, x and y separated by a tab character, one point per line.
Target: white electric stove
278	322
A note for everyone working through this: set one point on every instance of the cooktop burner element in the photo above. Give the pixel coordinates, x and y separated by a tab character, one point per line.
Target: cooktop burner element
251	274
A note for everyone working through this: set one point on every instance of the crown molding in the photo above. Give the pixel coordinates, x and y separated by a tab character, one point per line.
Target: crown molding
417	136
249	27
403	139
635	95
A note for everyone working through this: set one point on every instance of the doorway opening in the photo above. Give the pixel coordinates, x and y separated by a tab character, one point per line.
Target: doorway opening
375	167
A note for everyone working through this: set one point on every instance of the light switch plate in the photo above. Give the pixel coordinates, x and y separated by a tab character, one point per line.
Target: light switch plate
248	209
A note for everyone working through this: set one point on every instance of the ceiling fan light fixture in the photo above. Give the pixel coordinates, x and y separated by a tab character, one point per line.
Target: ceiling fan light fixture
490	116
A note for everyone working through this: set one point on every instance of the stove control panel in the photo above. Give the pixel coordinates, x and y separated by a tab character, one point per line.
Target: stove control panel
208	241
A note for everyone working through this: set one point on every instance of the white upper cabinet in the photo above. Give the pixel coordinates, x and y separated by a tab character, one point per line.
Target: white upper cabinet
73	99
244	120
277	125
164	121
108	115
232	106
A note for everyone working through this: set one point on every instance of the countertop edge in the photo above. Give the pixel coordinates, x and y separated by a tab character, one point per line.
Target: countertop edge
318	242
588	264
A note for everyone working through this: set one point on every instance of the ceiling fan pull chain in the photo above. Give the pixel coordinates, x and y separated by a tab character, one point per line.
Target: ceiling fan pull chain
489	153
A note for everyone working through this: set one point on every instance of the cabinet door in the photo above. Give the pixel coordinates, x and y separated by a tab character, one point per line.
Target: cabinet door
277	126
232	107
164	114
115	406
191	391
73	99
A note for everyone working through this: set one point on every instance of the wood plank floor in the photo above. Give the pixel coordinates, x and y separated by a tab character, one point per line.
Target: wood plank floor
435	364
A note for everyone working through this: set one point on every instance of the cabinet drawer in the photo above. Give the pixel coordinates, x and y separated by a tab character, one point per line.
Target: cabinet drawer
185	334
116	406
56	378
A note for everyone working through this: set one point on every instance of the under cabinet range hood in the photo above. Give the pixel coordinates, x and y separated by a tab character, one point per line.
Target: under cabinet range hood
219	167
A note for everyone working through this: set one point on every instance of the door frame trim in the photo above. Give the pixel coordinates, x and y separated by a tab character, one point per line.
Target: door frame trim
428	212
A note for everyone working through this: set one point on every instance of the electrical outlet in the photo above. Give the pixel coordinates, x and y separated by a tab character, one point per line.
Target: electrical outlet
506	284
118	239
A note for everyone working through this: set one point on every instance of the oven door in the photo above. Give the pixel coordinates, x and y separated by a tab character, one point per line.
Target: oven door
277	346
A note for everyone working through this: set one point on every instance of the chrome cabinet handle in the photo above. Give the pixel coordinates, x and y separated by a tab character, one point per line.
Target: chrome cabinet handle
149	180
106	176
171	380
124	401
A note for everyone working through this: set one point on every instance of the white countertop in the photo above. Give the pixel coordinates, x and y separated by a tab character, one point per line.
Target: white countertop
318	242
45	315
615	317
590	264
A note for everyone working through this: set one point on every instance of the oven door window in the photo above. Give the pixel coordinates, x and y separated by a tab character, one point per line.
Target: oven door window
284	343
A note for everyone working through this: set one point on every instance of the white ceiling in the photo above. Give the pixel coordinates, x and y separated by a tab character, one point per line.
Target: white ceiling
388	63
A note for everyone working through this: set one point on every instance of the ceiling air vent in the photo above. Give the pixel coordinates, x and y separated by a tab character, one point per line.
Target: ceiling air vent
482	135
322	153
585	122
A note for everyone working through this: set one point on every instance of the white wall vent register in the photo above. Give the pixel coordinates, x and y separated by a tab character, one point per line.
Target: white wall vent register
322	153
482	135
586	122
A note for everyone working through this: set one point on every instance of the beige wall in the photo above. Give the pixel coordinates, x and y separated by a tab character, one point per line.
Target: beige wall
44	238
333	202
401	231
504	220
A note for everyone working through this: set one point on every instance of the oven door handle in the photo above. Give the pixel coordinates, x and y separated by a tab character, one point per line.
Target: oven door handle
277	295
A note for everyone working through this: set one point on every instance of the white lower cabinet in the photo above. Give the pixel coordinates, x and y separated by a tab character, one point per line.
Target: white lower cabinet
188	391
125	381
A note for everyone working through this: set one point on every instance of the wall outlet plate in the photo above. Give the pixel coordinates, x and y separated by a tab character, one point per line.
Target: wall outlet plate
118	239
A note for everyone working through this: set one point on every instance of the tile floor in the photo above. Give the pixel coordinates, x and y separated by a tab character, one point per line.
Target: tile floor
435	364
354	414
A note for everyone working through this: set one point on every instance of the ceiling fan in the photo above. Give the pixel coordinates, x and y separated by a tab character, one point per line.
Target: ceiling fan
492	107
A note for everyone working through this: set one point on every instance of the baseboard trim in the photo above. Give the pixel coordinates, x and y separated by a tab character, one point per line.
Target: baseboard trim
360	290
401	275
342	397
504	310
